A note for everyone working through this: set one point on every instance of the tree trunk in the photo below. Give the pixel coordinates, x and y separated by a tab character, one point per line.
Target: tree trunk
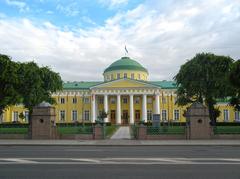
211	110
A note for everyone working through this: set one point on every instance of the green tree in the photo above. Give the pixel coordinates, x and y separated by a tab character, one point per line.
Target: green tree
37	84
9	82
26	83
235	82
204	78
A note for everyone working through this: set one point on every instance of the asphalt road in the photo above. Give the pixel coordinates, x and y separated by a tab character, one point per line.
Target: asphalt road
120	162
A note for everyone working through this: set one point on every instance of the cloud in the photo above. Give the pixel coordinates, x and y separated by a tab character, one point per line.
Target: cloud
111	4
160	40
22	6
69	9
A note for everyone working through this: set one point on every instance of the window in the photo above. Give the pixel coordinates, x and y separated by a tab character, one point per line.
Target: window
112	100
74	115
26	116
164	115
237	115
118	76
226	115
132	75
137	100
125	75
149	100
111	76
125	100
86	115
149	115
15	116
86	100
62	100
74	100
108	78
139	76
100	100
176	114
62	115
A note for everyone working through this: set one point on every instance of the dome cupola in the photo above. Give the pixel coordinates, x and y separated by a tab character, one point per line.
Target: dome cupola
125	68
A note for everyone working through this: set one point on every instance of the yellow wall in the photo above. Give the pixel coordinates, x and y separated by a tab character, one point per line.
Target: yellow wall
143	75
69	106
8	113
169	105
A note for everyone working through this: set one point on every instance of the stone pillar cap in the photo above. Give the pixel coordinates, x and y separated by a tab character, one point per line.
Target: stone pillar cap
44	104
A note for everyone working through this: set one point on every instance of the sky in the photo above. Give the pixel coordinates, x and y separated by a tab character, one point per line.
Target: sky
80	38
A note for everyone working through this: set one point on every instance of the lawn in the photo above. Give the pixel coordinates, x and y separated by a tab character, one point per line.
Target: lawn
14	130
75	130
227	130
165	130
109	130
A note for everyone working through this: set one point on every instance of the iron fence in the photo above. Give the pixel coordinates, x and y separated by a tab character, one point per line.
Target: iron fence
14	128
165	130
226	130
75	129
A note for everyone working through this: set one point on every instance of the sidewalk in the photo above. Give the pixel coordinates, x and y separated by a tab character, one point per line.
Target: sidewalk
122	133
118	142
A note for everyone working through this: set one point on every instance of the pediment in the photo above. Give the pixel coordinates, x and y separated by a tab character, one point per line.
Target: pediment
125	83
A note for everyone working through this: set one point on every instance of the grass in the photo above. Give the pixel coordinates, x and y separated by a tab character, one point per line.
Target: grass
227	130
14	130
109	130
75	130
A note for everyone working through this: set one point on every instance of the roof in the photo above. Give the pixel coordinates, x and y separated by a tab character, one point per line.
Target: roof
165	84
80	85
223	100
125	63
88	84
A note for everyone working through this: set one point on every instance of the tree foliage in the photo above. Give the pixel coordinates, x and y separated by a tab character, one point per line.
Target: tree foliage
9	82
26	83
204	78
235	82
37	84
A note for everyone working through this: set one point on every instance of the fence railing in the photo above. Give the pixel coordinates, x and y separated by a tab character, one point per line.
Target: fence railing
165	130
14	128
75	129
226	130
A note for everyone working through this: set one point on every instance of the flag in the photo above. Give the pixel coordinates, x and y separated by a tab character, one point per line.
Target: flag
126	49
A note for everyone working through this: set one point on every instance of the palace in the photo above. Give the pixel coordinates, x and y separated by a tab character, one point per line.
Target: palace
126	95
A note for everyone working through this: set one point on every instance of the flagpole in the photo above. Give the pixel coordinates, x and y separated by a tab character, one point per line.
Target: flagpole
126	51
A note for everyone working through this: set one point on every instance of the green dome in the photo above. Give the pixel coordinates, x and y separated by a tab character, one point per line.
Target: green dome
125	63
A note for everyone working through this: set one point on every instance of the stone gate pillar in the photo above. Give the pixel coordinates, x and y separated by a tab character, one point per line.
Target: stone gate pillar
198	122
43	122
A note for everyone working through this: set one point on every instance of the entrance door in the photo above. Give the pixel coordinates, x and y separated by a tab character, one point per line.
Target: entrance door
113	117
137	116
125	117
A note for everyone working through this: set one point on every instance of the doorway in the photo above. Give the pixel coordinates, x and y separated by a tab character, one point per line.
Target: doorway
113	117
137	116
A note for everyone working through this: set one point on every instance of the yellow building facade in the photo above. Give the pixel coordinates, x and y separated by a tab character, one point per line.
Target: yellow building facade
125	94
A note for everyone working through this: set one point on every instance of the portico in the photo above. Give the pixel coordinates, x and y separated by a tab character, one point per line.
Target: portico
125	103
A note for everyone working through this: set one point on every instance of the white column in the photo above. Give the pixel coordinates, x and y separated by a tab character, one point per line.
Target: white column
157	104
144	108
118	109
131	109
93	106
106	106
